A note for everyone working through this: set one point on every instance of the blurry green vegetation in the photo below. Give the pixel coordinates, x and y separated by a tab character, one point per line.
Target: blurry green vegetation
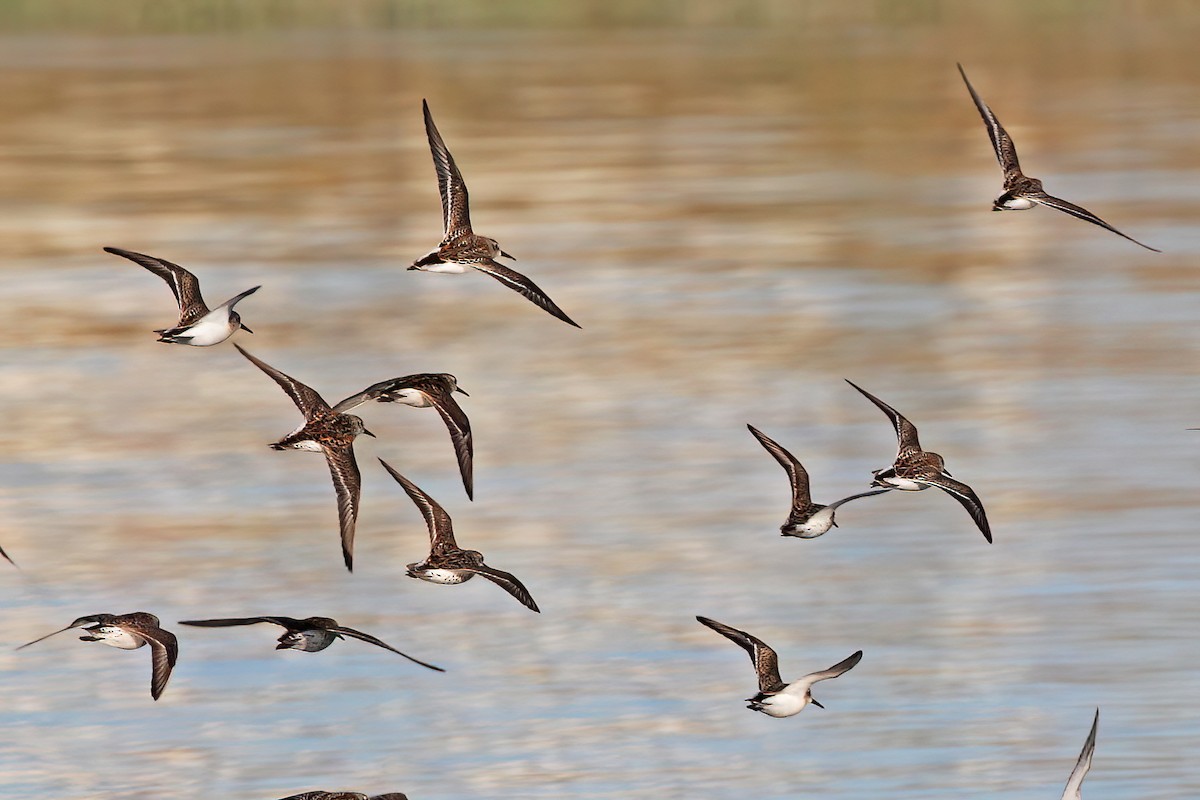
206	16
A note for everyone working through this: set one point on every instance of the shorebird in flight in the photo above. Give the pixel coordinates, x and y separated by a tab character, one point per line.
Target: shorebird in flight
1020	191
309	635
461	248
198	326
346	796
447	563
916	469
807	519
437	390
129	632
330	431
776	698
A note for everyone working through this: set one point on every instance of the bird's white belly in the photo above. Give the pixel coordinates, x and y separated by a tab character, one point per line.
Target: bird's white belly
904	484
783	705
410	397
445	576
1018	204
118	637
309	445
449	267
212	328
815	525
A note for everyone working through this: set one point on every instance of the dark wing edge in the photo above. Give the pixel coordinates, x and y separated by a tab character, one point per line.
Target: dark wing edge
441	531
460	436
368	638
524	286
966	496
1002	143
509	583
764	659
184	285
306	399
797	475
456	213
347	483
906	432
1079	212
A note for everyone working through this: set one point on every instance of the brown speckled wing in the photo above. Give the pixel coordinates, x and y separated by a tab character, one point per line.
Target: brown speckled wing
1002	143
906	432
801	495
164	650
966	496
347	482
1079	212
765	660
523	285
184	284
508	582
310	403
441	531
456	216
460	431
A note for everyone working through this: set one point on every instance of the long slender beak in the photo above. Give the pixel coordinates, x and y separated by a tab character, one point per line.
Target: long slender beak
460	389
815	703
47	636
368	433
506	255
247	330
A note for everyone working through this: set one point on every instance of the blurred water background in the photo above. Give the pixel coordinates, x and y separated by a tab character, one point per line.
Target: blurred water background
742	203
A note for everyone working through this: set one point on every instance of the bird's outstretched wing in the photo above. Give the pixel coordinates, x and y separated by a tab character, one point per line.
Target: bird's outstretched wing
1081	213
1002	143
441	531
310	403
184	285
456	215
519	283
765	660
508	582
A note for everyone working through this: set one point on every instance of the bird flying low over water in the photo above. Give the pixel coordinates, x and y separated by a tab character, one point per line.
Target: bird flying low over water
1074	787
129	632
309	635
461	248
437	390
776	698
447	563
198	326
807	519
330	431
346	796
1020	191
916	469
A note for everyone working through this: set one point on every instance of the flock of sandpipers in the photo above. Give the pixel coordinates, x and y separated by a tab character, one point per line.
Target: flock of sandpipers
331	430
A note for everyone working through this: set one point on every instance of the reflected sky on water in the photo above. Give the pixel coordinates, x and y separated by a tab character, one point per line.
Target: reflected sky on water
739	216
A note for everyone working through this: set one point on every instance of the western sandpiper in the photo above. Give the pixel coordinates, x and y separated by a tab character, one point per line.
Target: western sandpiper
198	326
461	248
447	563
807	519
916	469
310	635
346	796
776	698
437	390
129	632
330	431
1020	191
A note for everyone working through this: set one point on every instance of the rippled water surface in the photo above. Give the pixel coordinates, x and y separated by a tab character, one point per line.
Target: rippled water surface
740	212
